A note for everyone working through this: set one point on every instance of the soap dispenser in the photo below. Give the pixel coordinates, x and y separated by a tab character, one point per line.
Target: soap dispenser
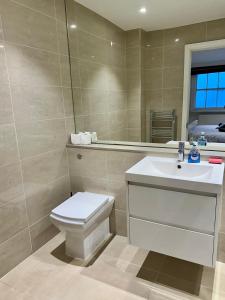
202	141
194	154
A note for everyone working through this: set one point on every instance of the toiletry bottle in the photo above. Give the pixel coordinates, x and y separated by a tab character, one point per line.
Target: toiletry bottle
194	154
202	141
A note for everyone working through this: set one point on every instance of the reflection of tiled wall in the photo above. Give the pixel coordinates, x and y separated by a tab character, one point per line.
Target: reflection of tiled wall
35	118
164	64
97	49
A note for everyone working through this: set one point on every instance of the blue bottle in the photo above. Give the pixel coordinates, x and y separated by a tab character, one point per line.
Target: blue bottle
194	154
202	141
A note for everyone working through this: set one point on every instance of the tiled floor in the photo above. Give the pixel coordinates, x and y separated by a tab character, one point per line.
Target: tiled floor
121	272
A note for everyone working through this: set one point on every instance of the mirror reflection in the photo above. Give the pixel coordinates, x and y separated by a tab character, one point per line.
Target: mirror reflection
128	82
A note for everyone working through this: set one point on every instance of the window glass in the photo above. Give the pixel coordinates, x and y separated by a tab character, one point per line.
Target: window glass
221	98
201	81
211	98
210	90
200	99
212	81
222	80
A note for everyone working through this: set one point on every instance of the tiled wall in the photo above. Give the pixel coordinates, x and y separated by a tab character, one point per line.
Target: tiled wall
35	118
102	171
97	49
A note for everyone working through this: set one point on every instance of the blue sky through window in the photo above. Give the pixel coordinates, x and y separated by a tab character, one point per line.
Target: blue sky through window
210	91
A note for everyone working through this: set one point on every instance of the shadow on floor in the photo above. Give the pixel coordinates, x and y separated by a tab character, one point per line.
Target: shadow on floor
60	254
172	272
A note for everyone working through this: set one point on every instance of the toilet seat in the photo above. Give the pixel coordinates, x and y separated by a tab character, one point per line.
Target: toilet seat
80	208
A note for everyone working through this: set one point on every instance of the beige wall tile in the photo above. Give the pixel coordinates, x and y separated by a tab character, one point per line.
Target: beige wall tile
48	167
117	100
60	10
154	99
43	114
13	251
93	48
62	40
3	73
133	38
134	118
8	149
13	218
33	67
153	79
133	57
221	248
216	29
70	127
88	184
68	102
117	119
32	104
85	19
65	72
41	232
153	38
6	114
42	199
118	190
121	222
173	56
153	57
117	55
194	33
44	6
173	77
92	163
134	134
40	137
94	101
11	185
118	163
30	26
93	76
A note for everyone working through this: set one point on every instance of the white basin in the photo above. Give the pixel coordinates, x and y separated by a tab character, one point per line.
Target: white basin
160	170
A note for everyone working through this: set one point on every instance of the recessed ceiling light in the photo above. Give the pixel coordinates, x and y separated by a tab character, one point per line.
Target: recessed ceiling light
2	46
73	26
148	45
143	10
177	40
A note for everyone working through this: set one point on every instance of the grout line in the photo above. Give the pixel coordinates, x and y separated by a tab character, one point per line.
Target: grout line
33	9
17	142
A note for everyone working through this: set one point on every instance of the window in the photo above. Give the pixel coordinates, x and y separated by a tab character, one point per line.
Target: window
210	91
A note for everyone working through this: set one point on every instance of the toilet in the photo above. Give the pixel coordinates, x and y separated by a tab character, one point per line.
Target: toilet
85	220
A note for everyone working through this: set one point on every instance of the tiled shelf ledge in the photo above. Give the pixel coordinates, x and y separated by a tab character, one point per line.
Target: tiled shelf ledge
157	148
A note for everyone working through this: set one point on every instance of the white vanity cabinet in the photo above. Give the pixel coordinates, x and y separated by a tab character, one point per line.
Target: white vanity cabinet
174	218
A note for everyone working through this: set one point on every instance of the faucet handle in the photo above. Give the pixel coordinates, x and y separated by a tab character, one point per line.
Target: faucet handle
181	146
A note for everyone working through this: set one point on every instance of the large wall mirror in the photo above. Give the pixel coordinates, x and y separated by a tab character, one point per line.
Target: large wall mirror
129	85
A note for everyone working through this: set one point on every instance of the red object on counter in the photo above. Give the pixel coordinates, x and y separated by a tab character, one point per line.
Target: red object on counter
215	160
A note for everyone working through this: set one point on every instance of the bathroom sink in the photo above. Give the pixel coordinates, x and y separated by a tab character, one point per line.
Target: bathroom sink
168	172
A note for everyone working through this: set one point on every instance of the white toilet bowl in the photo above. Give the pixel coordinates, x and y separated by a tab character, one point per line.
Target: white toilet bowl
85	219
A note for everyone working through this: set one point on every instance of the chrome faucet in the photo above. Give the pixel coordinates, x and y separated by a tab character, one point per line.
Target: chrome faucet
181	151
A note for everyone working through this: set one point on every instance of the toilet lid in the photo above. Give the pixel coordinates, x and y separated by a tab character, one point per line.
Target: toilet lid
81	206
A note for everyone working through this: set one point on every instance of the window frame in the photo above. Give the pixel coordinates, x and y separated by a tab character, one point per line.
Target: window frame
204	70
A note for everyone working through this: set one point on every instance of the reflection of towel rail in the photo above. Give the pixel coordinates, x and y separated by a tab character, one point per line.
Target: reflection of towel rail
164	131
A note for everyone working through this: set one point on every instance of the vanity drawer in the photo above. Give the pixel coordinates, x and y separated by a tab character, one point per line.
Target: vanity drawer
195	212
184	244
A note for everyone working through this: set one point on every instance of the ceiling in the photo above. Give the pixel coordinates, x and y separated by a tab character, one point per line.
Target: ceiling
208	58
160	14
